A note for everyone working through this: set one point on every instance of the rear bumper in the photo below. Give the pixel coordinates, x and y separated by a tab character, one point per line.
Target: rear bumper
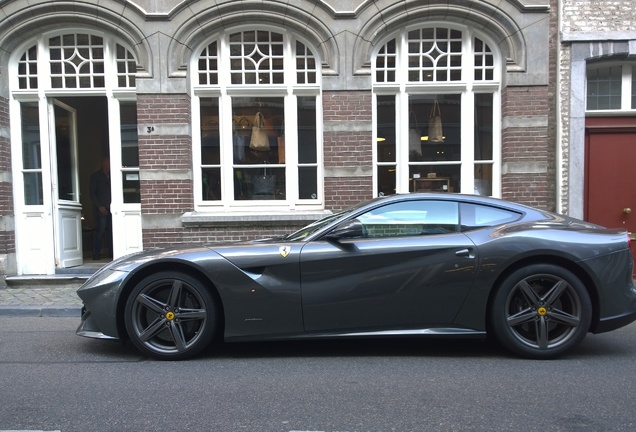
612	323
623	316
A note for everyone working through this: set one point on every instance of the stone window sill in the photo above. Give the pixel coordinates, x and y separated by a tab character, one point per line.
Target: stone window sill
204	219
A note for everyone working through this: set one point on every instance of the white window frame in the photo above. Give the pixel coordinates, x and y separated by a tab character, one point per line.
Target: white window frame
225	92
628	70
467	87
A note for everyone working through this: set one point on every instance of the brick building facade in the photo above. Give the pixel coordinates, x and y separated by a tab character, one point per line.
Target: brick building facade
346	88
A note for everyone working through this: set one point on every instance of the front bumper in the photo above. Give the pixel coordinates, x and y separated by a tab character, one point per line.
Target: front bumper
100	295
89	328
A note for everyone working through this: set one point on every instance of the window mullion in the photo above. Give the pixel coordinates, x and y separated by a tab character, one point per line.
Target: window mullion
402	117
291	149
290	122
496	145
226	149
467	170
626	88
402	169
225	117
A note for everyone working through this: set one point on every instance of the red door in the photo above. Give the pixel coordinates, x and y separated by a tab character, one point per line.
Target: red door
610	181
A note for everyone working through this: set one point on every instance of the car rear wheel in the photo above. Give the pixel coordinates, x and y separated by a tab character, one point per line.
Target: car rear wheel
541	311
171	316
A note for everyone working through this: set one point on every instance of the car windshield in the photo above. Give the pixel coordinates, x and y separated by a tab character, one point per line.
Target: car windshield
313	227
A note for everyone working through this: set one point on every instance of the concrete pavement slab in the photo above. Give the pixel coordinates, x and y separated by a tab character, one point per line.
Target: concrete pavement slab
40	302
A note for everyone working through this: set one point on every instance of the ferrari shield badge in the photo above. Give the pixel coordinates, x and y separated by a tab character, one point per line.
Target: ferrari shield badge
284	251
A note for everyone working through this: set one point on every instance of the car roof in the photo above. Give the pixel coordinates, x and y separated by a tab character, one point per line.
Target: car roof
445	196
525	211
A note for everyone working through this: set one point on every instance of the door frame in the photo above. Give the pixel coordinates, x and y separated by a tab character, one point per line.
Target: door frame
36	246
595	125
605	125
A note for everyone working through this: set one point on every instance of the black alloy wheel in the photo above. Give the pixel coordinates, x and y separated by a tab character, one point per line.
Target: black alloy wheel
171	316
541	311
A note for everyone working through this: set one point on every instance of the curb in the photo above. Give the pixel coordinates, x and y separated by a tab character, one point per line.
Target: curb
70	311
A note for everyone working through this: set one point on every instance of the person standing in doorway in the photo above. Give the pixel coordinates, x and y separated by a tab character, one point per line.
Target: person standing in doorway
100	196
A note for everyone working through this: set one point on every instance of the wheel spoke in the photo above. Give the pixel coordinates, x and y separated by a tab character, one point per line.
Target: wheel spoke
177	336
555	292
542	333
525	316
151	303
152	330
528	293
562	317
175	294
191	314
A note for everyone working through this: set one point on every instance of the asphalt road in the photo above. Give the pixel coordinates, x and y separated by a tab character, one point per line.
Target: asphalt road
51	379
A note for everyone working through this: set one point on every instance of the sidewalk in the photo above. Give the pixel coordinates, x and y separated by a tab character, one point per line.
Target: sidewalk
46	295
42	300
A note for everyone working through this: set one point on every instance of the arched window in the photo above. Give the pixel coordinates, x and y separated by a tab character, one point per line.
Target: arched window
76	60
256	109
437	115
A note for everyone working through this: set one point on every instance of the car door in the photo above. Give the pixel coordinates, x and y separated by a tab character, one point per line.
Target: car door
411	269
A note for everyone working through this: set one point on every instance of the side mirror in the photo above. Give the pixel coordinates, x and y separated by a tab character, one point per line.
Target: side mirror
347	230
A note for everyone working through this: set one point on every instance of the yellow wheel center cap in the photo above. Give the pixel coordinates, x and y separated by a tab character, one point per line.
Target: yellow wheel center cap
542	311
170	316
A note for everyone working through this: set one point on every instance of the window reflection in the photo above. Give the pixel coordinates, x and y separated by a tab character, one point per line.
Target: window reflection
430	144
129	152
411	218
307	148
385	145
258	154
435	178
604	88
31	154
210	149
433	148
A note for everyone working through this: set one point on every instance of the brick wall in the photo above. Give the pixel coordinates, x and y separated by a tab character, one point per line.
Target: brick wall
598	15
7	236
526	145
553	113
206	234
165	162
347	147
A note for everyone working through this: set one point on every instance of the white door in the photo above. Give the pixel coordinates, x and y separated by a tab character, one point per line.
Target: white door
124	168
67	209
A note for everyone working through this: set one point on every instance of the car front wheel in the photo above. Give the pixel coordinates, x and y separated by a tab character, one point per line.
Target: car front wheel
541	311
171	316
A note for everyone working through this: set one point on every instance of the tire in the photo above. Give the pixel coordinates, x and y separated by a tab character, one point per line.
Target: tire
541	311
171	316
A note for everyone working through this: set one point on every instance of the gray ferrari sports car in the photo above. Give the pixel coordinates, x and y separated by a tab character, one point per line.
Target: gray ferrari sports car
405	265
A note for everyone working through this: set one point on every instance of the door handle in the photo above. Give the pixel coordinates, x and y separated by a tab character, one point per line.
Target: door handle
467	253
627	210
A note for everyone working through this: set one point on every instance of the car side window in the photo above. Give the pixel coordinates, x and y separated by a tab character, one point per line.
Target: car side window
475	216
411	218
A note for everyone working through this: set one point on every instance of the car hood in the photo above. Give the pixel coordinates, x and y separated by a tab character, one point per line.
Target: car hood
186	251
